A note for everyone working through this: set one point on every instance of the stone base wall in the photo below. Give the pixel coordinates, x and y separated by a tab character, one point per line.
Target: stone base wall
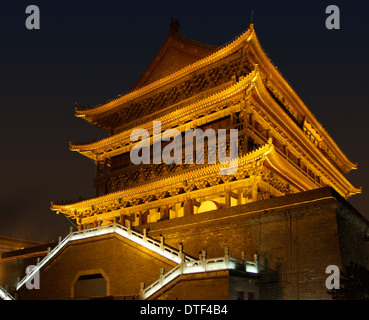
295	237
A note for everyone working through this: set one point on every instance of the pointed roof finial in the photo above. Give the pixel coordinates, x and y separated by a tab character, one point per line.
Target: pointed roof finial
252	17
174	25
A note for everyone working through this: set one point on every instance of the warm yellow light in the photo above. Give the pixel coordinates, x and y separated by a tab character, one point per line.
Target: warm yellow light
208	206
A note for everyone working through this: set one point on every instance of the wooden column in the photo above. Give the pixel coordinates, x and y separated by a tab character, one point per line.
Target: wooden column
97	163
122	219
254	191
227	196
188	210
138	218
239	196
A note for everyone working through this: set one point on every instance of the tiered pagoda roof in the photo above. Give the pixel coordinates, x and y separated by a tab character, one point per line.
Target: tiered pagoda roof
189	84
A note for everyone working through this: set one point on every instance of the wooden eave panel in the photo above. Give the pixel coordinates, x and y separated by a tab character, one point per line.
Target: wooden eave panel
177	178
297	135
218	54
268	69
186	111
275	76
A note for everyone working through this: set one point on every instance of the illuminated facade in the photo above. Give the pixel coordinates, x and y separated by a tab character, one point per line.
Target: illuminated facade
283	149
287	163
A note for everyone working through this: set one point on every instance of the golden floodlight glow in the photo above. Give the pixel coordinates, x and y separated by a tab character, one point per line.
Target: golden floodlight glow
208	206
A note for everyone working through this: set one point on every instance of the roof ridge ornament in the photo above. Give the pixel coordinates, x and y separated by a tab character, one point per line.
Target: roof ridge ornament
174	24
252	19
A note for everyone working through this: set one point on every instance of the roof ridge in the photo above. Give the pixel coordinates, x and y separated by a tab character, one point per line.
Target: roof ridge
255	154
125	134
163	80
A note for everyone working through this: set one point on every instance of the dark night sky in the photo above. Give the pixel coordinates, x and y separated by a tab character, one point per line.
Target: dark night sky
91	51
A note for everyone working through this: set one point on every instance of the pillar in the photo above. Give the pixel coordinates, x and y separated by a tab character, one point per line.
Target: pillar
188	210
239	196
227	196
122	219
97	164
139	218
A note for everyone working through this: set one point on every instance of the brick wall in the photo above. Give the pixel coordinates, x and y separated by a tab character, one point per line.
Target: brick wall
122	263
296	238
354	235
212	285
200	286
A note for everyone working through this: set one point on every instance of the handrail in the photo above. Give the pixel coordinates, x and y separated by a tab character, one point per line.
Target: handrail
4	294
186	265
196	266
151	244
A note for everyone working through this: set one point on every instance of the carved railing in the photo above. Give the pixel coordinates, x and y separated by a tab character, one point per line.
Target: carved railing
197	266
4	295
156	246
